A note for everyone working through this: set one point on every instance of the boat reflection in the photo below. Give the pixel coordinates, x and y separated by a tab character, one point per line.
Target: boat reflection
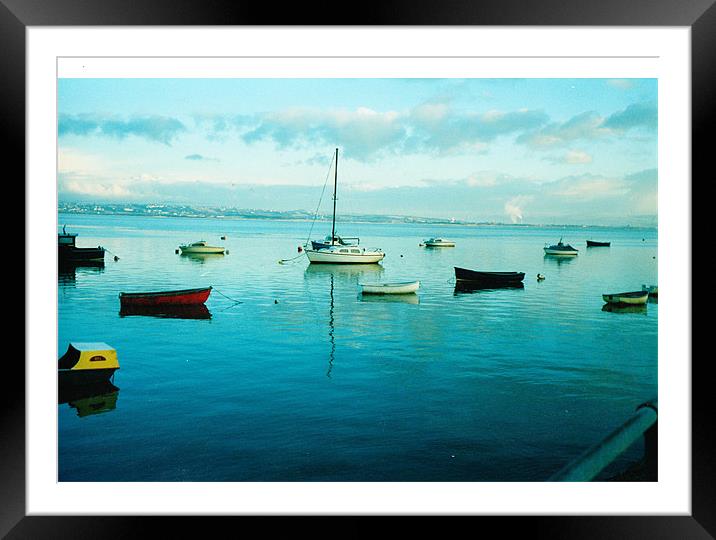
559	259
410	298
67	271
615	308
331	334
344	271
191	311
472	287
89	399
201	258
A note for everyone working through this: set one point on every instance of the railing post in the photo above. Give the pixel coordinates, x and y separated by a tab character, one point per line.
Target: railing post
651	445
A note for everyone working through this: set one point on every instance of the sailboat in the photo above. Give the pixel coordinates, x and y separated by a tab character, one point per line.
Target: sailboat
335	251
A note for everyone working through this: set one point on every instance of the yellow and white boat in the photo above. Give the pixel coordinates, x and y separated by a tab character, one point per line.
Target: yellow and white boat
85	363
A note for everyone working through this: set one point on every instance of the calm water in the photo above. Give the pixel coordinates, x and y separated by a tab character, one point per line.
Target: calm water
305	381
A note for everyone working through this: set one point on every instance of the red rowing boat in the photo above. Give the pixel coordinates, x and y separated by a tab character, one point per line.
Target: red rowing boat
166	298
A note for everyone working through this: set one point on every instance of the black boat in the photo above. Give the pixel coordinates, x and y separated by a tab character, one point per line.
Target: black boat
68	252
592	243
488	278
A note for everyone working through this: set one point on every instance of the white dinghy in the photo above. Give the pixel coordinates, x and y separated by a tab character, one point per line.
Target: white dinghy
403	287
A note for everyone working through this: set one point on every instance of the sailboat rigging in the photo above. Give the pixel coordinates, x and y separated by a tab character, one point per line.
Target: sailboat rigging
338	250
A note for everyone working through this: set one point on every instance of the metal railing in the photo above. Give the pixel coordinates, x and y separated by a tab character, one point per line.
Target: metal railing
597	458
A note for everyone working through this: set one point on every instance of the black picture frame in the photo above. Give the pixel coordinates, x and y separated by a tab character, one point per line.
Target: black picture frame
17	15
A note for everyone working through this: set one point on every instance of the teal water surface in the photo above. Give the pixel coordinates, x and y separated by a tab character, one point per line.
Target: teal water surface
291	375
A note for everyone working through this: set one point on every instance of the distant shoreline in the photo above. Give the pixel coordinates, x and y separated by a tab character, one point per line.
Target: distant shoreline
180	211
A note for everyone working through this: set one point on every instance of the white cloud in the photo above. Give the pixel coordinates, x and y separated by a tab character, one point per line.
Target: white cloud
577	157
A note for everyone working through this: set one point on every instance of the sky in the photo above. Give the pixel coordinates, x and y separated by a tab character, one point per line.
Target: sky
580	151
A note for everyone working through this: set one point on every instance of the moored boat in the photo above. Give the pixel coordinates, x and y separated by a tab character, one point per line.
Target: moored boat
627	298
201	247
438	242
335	252
488	278
594	243
345	255
560	249
160	298
68	252
87	362
403	287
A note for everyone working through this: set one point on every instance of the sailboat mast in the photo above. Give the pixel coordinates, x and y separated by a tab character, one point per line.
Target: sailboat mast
335	189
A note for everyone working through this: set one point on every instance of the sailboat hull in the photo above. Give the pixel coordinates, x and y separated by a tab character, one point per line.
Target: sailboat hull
327	256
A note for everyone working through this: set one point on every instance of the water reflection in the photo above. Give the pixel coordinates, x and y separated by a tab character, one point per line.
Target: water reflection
67	271
331	275
615	308
202	258
89	399
559	259
331	334
196	311
471	287
344	272
410	298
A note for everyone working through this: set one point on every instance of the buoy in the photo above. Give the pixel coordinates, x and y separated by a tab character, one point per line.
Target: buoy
300	249
116	258
401	255
176	251
275	301
227	251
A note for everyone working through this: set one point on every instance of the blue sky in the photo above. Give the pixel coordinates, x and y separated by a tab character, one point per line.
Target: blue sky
508	150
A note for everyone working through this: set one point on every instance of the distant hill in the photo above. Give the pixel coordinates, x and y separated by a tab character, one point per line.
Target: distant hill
179	210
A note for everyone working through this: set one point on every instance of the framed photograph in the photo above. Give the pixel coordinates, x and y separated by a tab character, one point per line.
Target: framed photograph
402	265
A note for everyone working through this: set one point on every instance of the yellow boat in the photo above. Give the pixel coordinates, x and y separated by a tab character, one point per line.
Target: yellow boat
85	363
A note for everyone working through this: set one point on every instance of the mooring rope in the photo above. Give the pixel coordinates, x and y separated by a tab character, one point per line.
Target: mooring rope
284	261
232	299
116	257
315	215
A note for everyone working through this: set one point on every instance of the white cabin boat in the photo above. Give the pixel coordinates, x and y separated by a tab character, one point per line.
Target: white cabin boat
345	255
338	253
201	247
405	287
560	249
438	242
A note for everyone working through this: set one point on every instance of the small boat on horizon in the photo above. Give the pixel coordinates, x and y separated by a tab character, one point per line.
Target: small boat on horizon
201	247
560	249
594	243
403	287
488	278
627	298
164	298
438	242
